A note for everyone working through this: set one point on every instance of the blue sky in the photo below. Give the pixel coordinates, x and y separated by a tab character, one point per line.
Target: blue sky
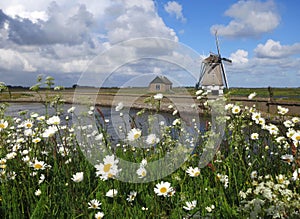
63	39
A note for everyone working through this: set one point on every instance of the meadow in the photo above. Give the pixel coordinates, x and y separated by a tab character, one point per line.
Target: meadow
66	165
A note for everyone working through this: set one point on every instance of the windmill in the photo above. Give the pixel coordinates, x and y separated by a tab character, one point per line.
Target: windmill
213	77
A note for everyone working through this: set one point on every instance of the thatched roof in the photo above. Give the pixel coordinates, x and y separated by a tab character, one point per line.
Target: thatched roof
161	80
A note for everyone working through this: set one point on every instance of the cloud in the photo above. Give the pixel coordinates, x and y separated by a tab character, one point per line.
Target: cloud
250	18
174	8
135	19
60	38
273	49
11	59
239	57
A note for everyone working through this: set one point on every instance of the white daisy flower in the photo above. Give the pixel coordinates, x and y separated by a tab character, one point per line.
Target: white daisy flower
252	95
142	172
152	139
71	110
28	124
94	204
39	165
108	169
38	192
134	134
163	188
254	136
193	172
282	110
3	124
288	158
120	106
131	196
112	193
296	138
190	205
99	215
158	96
54	120
236	109
77	177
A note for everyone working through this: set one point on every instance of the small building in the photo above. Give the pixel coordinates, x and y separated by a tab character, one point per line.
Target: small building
160	84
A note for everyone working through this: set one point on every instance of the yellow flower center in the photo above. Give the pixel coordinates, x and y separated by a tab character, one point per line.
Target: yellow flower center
106	167
2	126
163	190
298	137
38	166
136	135
144	173
197	173
28	125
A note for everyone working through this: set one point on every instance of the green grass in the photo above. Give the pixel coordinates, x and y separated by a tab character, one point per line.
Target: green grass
247	176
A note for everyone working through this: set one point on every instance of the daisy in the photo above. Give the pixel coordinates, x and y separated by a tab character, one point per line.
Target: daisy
254	136
252	95
152	139
71	110
134	134
288	158
158	96
99	215
39	165
94	204
193	172
163	188
256	116
77	177
198	92
176	122
50	131
236	109
228	106
296	138
131	196
142	172
112	193
120	106
190	205
282	110
296	174
108	168
36	140
296	119
54	120
38	192
3	124
288	123
28	124
42	178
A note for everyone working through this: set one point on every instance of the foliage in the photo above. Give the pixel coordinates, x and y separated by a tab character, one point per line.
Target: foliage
45	168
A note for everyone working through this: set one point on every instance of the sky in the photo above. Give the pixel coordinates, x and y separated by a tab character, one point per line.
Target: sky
127	42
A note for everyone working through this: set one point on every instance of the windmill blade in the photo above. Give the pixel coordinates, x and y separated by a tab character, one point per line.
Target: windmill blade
227	60
224	75
217	43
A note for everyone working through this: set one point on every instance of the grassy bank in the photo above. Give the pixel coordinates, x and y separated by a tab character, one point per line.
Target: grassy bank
242	166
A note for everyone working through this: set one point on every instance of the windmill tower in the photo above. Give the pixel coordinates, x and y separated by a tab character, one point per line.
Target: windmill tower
213	77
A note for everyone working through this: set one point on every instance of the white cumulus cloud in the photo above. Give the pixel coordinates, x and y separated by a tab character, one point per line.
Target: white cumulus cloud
174	8
239	57
274	49
250	18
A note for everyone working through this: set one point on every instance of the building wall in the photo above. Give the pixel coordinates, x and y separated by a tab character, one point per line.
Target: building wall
159	87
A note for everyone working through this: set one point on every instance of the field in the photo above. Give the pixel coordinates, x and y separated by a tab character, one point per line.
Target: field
242	164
